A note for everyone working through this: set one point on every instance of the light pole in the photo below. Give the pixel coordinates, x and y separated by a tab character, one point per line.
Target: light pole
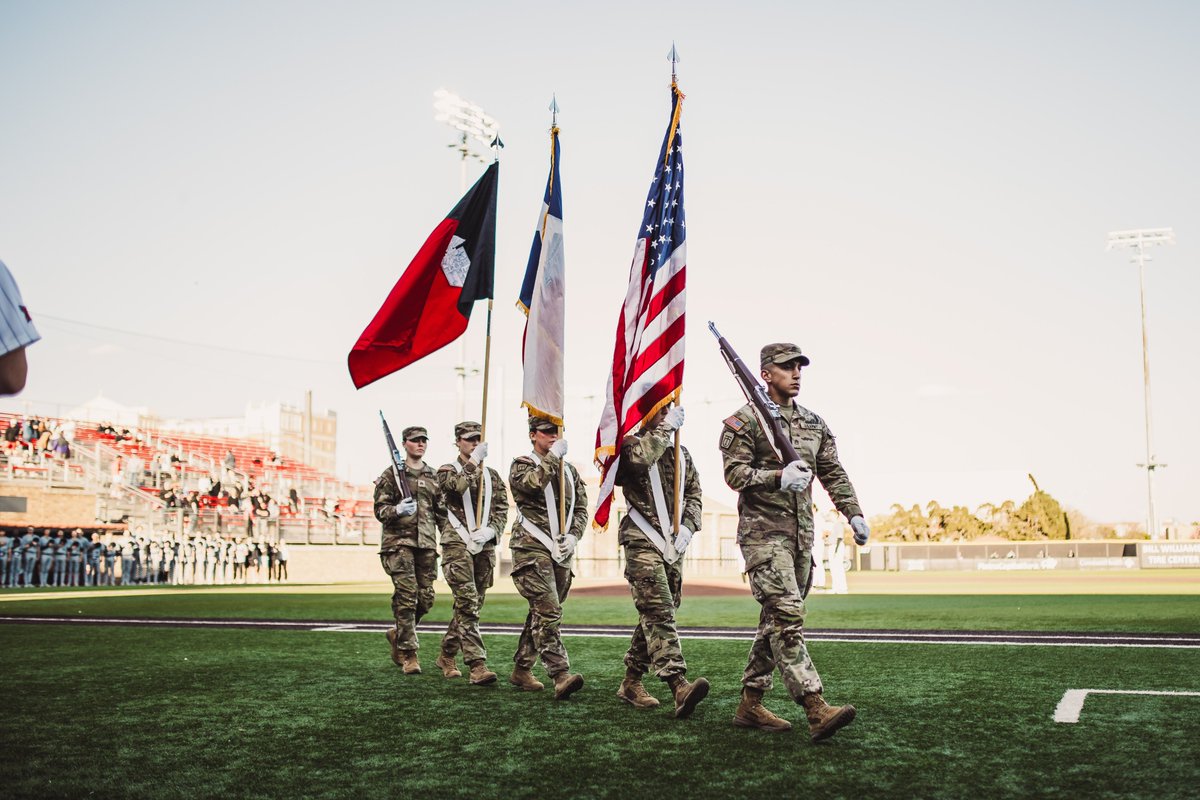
472	124
1139	241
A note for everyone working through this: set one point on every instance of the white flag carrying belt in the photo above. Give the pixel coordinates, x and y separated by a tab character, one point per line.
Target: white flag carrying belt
664	544
553	541
465	531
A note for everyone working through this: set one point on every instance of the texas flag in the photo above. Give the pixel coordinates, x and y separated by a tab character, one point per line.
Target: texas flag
543	298
431	303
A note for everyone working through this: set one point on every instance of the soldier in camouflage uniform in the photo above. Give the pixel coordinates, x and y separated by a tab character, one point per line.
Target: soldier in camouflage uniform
542	555
653	561
411	522
775	533
468	552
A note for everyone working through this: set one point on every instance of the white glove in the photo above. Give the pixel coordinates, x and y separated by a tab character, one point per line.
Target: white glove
673	419
483	535
568	546
406	507
474	547
479	453
862	531
559	448
683	539
796	477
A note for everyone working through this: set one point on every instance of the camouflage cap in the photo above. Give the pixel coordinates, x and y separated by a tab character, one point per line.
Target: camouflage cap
781	353
413	432
542	424
465	430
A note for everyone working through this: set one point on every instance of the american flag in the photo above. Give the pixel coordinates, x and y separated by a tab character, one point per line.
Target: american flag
647	370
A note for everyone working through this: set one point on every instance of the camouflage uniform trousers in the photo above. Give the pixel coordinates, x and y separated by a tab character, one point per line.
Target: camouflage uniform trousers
413	571
779	570
657	589
469	576
544	584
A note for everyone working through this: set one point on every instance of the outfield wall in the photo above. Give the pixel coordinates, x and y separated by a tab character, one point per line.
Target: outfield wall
46	504
350	563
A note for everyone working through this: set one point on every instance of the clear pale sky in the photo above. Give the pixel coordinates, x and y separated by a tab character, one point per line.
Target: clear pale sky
916	193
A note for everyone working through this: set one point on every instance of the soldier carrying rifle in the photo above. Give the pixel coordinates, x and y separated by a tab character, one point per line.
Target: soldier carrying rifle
771	448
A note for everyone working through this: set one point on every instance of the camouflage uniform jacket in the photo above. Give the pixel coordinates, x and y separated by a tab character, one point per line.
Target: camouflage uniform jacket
420	530
528	479
753	470
642	452
453	483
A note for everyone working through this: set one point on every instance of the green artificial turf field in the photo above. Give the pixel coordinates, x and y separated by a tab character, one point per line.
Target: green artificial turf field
119	711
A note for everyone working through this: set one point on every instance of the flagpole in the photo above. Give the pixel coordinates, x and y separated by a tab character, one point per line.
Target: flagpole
497	146
673	57
487	363
562	468
679	465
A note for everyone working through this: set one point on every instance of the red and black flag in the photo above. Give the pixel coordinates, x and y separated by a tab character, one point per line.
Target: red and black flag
429	306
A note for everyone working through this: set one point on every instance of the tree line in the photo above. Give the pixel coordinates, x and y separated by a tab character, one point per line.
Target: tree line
1040	516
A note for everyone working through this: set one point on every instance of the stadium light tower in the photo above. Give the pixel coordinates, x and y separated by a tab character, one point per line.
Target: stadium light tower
1139	241
472	124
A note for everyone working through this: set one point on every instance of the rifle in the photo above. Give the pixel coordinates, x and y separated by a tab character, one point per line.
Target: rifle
765	409
397	469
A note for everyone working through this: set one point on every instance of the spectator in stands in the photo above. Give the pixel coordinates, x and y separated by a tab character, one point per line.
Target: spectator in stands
230	461
43	440
294	500
107	428
191	509
117	469
12	433
61	446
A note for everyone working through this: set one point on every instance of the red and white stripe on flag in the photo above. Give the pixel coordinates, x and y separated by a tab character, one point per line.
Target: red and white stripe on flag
647	371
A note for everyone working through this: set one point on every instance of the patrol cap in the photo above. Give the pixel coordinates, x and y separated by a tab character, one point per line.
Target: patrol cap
465	430
542	424
781	353
414	432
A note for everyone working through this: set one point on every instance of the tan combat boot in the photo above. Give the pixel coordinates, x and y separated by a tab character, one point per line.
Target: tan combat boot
751	713
409	661
445	662
687	695
397	657
825	720
634	693
480	674
523	679
566	684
